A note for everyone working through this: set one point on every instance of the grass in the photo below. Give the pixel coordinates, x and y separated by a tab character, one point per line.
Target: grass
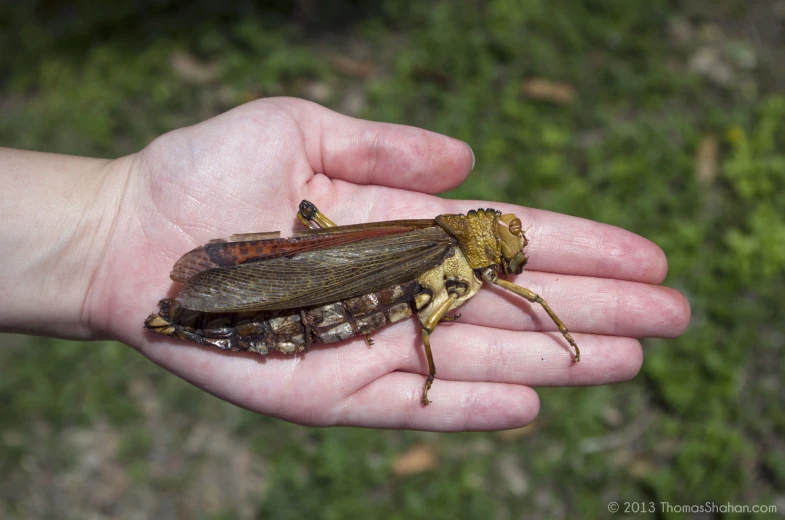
96	430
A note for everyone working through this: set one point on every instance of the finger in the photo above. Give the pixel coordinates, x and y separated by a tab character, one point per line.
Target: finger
557	243
570	245
473	353
393	401
367	152
589	305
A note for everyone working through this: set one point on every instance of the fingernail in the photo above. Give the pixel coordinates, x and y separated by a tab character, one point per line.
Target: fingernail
474	159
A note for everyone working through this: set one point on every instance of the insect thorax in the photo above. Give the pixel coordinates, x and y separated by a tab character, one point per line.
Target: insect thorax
477	235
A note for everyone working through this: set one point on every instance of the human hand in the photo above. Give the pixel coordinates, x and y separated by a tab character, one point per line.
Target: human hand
246	171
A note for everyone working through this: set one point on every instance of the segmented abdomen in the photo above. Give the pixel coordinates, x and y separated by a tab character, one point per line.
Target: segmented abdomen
286	331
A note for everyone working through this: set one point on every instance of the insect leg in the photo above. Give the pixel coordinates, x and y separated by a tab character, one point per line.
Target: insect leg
312	218
533	297
428	327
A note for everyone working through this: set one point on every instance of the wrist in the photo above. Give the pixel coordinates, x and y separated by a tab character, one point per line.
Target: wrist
58	213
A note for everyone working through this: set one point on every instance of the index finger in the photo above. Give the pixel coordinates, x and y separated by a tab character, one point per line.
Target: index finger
558	243
564	244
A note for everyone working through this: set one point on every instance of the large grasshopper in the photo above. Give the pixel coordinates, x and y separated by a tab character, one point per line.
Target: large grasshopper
262	293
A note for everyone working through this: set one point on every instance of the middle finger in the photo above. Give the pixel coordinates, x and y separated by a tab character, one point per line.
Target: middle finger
589	305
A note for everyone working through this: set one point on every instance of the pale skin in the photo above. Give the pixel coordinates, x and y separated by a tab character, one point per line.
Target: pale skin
88	246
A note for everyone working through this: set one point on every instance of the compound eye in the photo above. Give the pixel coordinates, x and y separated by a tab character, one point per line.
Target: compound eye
515	226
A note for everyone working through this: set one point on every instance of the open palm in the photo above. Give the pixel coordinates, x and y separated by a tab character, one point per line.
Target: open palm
247	170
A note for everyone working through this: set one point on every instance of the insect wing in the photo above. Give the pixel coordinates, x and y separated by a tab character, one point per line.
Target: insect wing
254	247
320	276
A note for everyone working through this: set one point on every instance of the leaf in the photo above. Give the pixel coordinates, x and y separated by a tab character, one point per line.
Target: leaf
190	69
706	159
351	67
546	90
417	459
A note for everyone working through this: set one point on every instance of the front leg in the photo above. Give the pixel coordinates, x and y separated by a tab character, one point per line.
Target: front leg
490	275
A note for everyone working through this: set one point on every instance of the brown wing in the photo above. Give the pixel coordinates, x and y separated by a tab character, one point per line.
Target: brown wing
254	247
318	277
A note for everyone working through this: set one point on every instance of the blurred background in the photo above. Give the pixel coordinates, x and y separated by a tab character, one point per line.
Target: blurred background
663	117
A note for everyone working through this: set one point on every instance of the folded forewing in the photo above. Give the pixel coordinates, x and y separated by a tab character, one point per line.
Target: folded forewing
320	276
253	247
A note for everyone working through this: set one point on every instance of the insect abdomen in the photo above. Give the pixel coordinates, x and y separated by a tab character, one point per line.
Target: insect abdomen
287	331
